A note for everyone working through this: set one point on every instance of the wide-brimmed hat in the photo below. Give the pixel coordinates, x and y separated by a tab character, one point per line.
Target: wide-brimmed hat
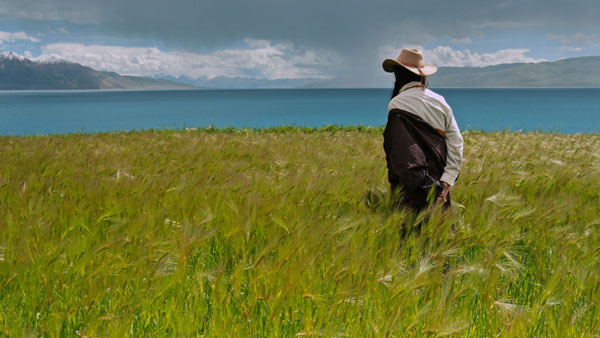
411	59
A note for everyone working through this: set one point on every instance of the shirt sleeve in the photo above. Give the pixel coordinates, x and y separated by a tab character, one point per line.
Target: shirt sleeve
392	105
454	145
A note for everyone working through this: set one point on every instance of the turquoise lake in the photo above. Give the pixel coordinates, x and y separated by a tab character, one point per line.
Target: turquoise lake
57	112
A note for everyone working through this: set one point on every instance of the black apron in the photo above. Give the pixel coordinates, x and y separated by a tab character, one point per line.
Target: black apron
416	157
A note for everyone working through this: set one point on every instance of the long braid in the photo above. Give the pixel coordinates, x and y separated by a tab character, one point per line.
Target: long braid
397	87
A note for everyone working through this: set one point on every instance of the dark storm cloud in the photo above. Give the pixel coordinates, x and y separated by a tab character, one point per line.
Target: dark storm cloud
343	25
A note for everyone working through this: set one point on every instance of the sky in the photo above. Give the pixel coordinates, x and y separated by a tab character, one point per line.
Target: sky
320	41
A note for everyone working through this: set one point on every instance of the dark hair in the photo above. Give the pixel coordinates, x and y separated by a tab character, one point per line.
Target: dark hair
404	76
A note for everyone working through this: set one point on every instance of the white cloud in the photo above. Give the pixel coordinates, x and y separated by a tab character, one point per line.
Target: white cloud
570	49
577	38
259	59
12	37
576	42
62	30
444	56
462	41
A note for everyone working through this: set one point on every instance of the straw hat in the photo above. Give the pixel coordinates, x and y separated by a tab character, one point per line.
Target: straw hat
411	59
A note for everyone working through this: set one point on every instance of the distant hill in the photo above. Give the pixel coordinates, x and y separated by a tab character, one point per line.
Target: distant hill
19	73
574	72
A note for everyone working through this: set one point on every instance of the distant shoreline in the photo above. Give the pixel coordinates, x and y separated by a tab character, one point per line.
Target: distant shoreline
276	130
250	89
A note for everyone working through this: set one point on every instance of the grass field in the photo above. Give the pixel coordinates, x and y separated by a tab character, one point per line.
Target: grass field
287	232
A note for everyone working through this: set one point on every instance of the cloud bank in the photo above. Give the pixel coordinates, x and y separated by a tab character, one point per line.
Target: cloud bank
444	56
259	59
13	37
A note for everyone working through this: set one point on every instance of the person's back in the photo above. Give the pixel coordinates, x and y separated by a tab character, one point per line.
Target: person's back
418	160
426	104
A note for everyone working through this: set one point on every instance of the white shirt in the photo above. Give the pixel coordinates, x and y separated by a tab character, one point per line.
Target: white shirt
434	110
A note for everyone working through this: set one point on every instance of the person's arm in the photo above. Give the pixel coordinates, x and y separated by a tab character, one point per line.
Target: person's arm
454	146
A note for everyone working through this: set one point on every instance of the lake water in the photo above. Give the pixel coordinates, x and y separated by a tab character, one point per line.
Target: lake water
57	112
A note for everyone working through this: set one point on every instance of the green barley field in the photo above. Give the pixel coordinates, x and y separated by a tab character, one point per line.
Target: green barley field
290	232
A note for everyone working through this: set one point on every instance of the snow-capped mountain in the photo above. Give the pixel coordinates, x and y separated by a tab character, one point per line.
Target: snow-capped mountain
52	72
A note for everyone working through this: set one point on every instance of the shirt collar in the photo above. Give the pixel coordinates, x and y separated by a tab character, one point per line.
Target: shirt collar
410	85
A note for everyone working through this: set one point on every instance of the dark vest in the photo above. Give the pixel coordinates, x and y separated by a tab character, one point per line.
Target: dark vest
416	157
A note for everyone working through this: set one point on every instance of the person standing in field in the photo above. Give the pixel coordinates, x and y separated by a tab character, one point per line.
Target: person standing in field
422	141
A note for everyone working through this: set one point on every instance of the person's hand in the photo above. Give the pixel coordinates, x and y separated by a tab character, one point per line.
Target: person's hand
443	197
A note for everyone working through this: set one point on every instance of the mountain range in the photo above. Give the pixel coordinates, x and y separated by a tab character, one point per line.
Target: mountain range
573	72
20	73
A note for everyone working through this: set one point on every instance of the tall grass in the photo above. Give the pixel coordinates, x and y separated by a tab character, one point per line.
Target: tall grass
288	232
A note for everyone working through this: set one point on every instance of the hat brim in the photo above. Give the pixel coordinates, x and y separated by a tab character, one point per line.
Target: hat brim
390	64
